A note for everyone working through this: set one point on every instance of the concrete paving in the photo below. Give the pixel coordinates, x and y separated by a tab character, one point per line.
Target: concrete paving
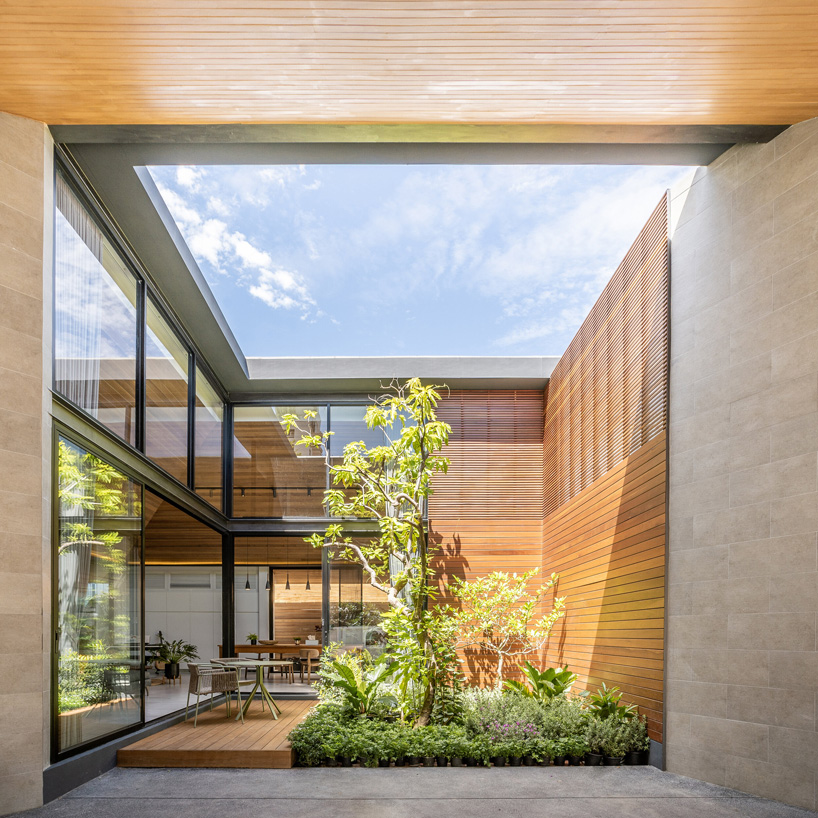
570	792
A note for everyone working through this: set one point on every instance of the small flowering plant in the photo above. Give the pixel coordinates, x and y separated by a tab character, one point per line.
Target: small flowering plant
512	740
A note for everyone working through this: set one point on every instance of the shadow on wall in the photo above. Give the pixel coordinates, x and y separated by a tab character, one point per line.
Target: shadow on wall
608	546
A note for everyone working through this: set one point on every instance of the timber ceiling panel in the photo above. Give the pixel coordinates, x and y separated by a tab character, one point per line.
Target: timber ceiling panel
404	61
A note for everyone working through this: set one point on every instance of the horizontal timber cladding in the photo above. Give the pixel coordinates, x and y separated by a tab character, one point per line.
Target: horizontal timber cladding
607	396
608	546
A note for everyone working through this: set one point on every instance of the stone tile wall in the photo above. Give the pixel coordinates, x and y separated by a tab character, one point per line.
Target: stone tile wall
742	666
24	548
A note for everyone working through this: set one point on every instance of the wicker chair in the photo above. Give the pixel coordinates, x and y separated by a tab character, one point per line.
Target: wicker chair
207	680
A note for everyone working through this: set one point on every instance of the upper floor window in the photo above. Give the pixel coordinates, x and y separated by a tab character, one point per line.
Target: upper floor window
95	319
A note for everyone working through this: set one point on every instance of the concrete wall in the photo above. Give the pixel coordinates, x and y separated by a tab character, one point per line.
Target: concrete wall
742	671
25	196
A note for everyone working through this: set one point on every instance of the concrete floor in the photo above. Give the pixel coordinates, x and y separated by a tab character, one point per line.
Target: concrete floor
636	792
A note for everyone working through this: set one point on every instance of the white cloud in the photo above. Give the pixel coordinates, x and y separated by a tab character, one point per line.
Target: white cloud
189	177
281	289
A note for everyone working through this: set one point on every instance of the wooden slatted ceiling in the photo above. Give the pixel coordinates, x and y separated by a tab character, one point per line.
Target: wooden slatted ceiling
607	395
608	546
481	61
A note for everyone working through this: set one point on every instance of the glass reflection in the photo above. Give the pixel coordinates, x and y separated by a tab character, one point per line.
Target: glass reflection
94	319
273	475
166	373
208	441
99	649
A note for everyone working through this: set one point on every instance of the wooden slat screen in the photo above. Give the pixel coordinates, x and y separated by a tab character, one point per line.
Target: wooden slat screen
607	396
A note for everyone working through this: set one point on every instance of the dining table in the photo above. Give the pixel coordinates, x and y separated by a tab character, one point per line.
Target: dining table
259	665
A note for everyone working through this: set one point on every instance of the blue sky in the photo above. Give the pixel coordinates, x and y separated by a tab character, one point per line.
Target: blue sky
409	259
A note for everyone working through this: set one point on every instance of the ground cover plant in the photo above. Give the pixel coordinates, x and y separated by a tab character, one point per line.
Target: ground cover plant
361	722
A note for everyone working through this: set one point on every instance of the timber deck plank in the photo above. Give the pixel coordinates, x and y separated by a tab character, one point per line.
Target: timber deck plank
259	743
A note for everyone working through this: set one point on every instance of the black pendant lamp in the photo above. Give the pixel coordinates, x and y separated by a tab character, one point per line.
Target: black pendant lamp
247	565
287	585
267	555
308	580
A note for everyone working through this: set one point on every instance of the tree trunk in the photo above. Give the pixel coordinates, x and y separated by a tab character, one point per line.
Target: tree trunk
499	683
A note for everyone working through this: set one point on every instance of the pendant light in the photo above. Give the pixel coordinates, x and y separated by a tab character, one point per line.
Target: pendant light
308	579
247	566
287	586
267	555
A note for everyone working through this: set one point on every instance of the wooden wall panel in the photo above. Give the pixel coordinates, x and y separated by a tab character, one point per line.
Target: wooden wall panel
605	482
608	546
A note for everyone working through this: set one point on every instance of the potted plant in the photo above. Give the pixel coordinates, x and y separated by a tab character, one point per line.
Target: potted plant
252	638
575	748
596	733
542	751
559	752
614	745
636	741
297	640
172	653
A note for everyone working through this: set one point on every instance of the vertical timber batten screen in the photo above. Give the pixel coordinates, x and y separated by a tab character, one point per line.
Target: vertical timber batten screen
604	481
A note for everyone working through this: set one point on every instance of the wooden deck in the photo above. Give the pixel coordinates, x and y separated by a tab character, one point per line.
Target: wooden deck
259	743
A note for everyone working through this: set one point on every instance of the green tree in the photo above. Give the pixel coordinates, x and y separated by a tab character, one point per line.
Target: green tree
498	613
391	484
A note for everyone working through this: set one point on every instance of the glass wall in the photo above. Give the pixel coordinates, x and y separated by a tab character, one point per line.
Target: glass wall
208	441
166	395
98	640
183	595
274	476
95	319
355	609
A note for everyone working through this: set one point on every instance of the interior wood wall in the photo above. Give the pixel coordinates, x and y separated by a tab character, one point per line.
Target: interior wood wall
605	481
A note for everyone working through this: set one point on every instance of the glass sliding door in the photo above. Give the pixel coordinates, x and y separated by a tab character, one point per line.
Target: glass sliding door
98	640
355	609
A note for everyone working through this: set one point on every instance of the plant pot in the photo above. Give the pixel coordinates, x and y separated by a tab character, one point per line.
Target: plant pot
457	761
346	761
636	757
442	761
471	762
498	761
593	759
574	761
428	761
253	642
528	761
383	762
559	761
400	761
171	670
413	761
612	761
515	761
546	762
330	762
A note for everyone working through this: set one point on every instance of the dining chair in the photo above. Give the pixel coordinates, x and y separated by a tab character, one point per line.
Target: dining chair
207	679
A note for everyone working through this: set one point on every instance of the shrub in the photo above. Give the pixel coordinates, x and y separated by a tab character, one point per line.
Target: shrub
635	735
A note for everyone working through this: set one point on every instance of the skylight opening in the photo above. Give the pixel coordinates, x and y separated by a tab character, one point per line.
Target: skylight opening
362	260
